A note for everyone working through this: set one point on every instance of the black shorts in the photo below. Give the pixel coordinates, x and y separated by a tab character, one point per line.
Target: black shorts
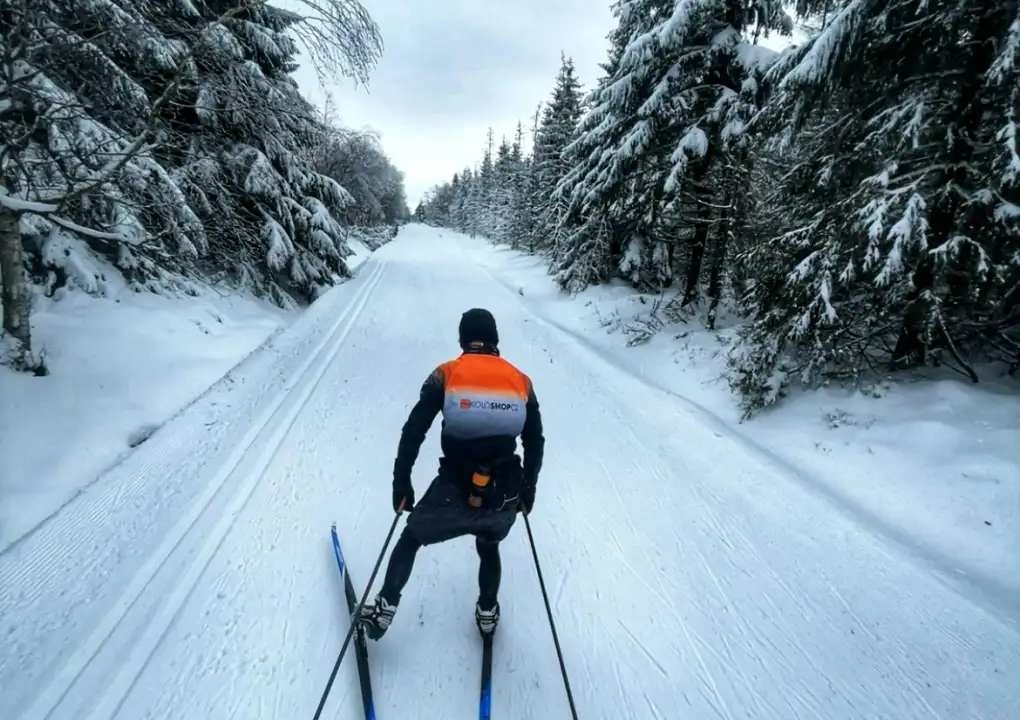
443	513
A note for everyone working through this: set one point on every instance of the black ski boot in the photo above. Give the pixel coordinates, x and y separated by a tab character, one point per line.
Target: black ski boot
377	616
486	620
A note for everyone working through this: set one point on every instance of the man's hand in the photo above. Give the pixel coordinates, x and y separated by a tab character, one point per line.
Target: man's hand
527	499
403	492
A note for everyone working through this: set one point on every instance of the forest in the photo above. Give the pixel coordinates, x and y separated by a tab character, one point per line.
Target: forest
171	138
852	200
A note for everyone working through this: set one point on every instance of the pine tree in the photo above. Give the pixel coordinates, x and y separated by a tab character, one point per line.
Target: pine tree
558	129
674	103
171	139
855	199
905	250
75	171
248	162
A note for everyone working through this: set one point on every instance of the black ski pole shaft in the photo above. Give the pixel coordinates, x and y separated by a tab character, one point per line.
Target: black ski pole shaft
357	613
552	624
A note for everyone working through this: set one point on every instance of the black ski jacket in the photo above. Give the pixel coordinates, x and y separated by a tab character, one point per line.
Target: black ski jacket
486	404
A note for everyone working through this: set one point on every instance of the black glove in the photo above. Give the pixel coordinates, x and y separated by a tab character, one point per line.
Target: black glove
403	490
527	499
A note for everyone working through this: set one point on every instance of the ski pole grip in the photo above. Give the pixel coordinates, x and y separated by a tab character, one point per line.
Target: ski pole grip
400	507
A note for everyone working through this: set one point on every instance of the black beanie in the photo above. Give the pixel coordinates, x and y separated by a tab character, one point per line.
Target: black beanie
478	325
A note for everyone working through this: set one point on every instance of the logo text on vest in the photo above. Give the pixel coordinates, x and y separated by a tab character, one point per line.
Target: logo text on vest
466	404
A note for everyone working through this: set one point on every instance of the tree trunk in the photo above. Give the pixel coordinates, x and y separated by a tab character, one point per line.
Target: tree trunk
720	246
13	285
702	216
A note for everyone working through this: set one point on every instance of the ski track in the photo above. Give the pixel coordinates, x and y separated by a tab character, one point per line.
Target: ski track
688	578
62	679
308	379
970	580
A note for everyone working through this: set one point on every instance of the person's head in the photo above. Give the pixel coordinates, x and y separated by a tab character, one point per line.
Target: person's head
477	329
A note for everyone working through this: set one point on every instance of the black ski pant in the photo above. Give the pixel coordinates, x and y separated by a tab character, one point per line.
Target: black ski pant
443	514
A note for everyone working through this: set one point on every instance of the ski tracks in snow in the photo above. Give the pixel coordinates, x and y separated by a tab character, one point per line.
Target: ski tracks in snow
167	583
970	581
690	576
773	599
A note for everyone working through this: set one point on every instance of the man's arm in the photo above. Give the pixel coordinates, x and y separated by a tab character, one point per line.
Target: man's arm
532	439
430	402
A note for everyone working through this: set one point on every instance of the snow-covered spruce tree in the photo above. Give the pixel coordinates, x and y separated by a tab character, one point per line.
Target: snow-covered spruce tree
437	203
555	132
74	159
505	209
498	204
242	143
479	207
898	126
357	161
521	192
89	93
655	148
458	200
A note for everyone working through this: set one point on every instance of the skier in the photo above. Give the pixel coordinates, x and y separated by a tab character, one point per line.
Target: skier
481	483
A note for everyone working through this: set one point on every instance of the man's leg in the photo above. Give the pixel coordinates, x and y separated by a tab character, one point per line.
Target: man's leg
398	572
377	616
490	571
433	520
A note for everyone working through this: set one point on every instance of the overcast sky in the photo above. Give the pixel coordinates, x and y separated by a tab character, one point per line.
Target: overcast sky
452	68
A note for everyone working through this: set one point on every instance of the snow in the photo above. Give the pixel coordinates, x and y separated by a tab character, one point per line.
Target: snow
361	252
696	567
120	366
934	463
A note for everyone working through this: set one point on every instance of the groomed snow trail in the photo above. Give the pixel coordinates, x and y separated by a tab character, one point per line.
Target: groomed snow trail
689	578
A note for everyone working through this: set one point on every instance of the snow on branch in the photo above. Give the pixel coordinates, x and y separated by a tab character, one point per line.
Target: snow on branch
340	37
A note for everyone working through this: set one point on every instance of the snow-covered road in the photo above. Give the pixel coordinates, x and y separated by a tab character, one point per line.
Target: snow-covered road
691	575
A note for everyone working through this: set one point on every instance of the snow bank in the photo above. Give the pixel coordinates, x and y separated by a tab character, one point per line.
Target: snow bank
369	239
933	464
361	253
120	366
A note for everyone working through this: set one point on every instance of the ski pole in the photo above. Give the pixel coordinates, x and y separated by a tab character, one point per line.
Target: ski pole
357	611
552	624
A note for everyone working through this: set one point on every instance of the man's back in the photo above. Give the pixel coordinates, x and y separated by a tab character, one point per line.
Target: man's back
486	404
484	396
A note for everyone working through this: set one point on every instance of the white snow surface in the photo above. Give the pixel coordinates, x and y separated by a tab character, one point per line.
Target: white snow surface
120	366
696	568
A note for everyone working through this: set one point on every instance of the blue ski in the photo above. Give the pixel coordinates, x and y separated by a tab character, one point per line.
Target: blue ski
485	702
360	644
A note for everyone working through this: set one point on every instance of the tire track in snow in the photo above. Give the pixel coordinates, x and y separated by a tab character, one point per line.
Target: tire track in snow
307	375
739	621
693	638
907	682
695	642
265	346
288	492
805	607
727	653
708	502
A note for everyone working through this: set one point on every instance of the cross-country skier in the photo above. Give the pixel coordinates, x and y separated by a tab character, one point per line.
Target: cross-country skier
482	483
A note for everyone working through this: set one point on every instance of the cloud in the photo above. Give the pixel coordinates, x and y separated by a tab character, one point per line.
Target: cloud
452	68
